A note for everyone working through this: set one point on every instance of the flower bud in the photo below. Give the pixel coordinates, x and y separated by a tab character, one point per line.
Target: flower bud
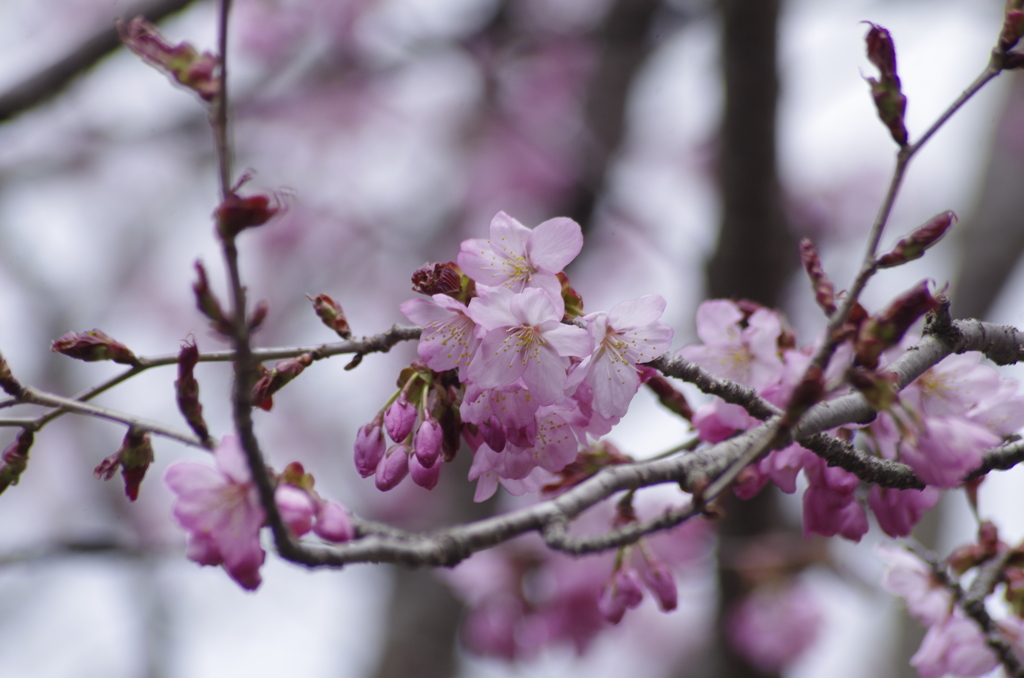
399	419
886	91
133	457
423	476
207	302
92	346
236	213
187	390
329	311
431	279
274	380
369	449
182	62
913	246
427	442
259	314
824	292
14	459
881	51
878	333
662	585
296	508
8	383
333	524
622	592
393	468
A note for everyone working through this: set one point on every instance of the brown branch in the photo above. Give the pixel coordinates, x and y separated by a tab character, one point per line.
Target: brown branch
50	81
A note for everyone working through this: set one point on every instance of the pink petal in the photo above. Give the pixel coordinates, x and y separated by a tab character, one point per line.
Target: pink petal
554	243
718	323
231	461
628	315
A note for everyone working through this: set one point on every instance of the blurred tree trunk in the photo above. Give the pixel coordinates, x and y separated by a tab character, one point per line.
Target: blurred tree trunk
755	253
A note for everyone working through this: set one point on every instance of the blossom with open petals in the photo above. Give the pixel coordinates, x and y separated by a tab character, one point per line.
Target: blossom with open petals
517	257
448	339
748	355
220	509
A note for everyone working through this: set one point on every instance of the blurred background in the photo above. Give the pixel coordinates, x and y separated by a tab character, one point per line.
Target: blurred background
694	140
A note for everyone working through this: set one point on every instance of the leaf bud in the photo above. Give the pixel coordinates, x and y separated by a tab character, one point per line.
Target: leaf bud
187	390
880	332
92	346
8	383
133	458
259	314
275	379
330	312
824	291
182	62
668	396
207	302
886	91
571	298
913	246
236	213
14	459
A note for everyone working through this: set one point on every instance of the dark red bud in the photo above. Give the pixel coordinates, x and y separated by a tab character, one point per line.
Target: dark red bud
824	292
207	302
182	62
886	329
1013	29
437	278
187	390
14	459
669	397
881	50
272	382
133	457
332	315
572	299
8	383
886	90
259	314
236	213
914	246
92	346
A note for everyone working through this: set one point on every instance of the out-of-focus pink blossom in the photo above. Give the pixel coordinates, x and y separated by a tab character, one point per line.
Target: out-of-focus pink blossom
296	507
898	511
830	507
947	449
772	627
621	593
525	338
628	334
661	583
747	355
909	577
517	257
449	335
954	646
719	420
332	523
220	509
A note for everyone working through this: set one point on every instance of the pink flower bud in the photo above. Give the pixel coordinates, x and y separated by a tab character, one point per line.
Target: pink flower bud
369	449
399	419
421	475
824	292
332	523
332	315
427	442
92	346
393	468
493	434
296	508
622	592
662	585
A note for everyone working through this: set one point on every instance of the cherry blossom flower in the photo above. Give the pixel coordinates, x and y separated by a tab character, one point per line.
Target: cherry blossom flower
772	626
830	507
449	335
517	258
954	646
220	509
747	355
909	577
525	338
628	334
898	511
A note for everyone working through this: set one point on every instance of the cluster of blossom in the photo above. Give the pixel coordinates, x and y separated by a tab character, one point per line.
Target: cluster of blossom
510	364
955	644
220	508
939	425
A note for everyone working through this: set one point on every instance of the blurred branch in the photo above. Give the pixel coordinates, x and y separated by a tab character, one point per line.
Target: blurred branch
48	82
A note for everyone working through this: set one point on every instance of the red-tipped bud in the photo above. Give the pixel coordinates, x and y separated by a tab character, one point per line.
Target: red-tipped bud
393	468
914	246
881	51
187	390
274	380
14	459
236	213
369	448
329	311
425	477
886	91
8	383
572	299
879	332
182	62
667	394
1013	29
431	279
259	314
207	302
133	458
427	442
92	346
824	291
399	419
